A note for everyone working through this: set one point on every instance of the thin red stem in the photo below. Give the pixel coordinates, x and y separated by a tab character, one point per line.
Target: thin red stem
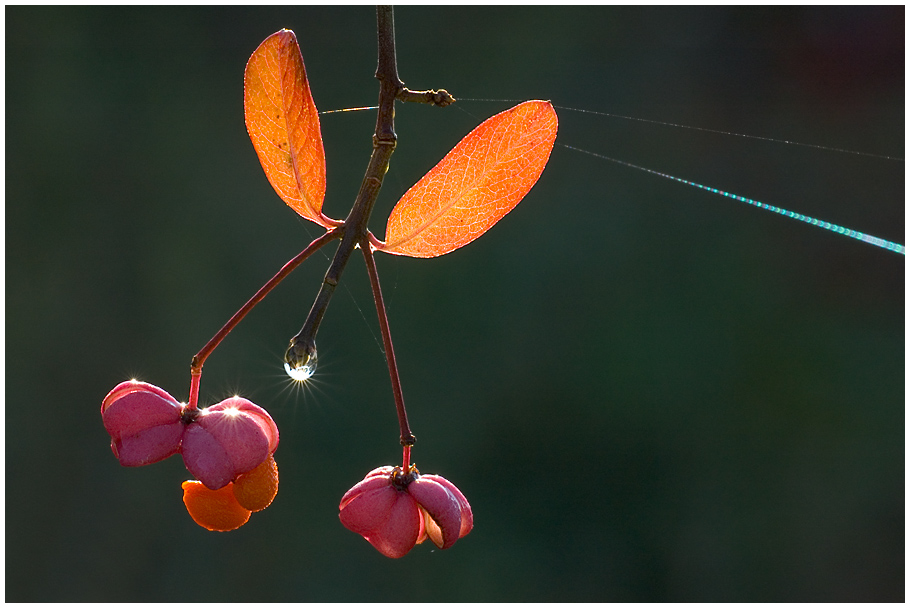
195	379
406	458
202	355
407	438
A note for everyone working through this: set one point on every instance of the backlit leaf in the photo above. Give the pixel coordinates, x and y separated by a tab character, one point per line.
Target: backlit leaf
283	124
475	185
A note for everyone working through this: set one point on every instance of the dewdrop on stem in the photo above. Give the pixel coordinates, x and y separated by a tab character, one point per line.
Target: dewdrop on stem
303	368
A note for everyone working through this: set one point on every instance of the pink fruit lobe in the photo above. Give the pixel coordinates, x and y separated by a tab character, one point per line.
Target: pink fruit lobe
143	422
394	511
226	440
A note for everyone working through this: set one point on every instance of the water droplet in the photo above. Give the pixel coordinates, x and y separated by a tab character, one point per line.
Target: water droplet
302	371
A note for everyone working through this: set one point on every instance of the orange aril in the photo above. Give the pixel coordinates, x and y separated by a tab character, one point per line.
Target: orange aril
216	510
257	489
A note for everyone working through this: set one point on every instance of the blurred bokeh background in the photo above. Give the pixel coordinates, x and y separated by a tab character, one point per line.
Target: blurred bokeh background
646	391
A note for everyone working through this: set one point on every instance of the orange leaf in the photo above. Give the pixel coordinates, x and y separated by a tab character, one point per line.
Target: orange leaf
475	185
283	124
216	510
256	489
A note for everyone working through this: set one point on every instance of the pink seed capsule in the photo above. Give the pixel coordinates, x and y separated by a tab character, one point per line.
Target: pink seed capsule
394	511
228	439
219	443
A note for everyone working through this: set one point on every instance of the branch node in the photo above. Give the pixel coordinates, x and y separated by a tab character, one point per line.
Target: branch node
440	98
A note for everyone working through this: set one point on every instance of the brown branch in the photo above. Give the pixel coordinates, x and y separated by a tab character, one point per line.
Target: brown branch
355	226
354	229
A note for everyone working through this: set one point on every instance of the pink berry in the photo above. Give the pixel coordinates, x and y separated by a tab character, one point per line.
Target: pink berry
226	440
394	511
146	424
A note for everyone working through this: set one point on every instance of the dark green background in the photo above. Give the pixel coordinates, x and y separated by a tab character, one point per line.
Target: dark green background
646	391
